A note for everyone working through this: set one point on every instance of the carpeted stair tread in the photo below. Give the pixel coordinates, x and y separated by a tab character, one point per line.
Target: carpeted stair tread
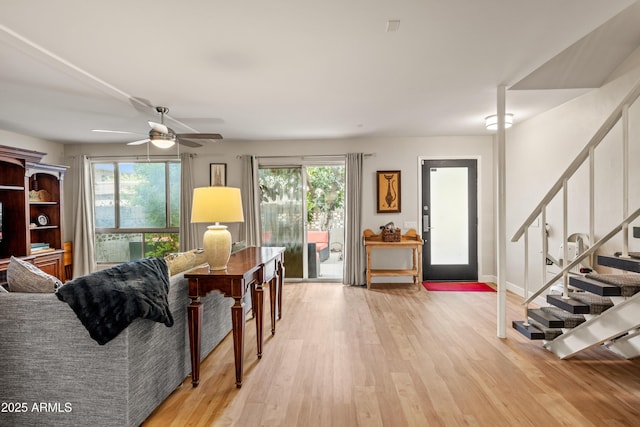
570	320
635	255
629	283
596	303
551	333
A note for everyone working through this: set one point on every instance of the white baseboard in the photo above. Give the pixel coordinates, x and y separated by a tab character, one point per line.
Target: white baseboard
540	300
487	278
513	288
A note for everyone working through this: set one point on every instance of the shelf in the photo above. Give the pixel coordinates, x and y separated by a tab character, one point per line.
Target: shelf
390	272
20	170
44	227
44	251
11	187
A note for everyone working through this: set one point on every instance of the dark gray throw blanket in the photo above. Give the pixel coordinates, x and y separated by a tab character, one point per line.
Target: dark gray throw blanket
107	301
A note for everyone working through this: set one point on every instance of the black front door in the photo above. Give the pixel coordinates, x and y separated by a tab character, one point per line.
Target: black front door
449	220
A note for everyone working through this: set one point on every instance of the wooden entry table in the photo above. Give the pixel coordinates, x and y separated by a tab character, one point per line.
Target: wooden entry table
409	240
247	269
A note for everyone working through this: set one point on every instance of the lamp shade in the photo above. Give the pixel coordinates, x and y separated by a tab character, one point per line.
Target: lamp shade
217	204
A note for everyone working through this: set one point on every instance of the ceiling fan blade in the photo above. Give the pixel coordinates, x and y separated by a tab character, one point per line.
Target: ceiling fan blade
140	142
159	127
115	131
189	143
141	104
199	135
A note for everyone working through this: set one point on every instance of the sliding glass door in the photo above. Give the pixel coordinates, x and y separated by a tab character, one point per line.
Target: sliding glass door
302	209
282	214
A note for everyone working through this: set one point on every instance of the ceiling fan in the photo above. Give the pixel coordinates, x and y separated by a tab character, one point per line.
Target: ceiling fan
163	136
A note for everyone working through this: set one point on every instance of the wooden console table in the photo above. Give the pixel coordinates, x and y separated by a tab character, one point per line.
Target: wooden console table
409	240
249	268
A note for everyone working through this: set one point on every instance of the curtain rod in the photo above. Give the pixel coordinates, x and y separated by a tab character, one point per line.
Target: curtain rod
309	156
137	157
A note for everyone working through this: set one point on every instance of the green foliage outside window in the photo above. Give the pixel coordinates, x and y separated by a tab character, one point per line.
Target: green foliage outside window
325	191
325	188
160	244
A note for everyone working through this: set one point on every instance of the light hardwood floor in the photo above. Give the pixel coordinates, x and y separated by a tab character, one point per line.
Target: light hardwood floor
398	356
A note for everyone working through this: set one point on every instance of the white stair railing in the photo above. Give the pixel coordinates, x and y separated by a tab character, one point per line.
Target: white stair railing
586	254
587	154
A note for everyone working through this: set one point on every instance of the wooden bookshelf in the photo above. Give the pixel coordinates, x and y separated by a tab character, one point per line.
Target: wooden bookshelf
29	188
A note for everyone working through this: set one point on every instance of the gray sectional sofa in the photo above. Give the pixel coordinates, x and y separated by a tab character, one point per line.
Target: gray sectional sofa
53	373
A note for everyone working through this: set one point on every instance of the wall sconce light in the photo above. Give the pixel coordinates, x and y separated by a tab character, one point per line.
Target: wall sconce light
491	122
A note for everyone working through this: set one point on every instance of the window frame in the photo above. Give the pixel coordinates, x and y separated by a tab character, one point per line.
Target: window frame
118	229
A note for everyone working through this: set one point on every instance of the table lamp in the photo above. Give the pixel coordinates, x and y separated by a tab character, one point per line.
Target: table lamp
217	204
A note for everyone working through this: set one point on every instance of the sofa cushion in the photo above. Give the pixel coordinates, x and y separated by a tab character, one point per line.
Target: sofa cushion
23	276
181	261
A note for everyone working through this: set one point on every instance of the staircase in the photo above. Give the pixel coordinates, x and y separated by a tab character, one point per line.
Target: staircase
603	309
594	309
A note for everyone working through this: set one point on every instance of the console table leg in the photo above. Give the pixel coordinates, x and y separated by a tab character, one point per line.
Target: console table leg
273	302
368	268
259	315
237	321
415	267
194	318
280	281
420	278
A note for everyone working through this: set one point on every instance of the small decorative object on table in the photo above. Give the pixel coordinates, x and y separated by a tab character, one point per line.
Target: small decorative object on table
39	196
390	233
42	220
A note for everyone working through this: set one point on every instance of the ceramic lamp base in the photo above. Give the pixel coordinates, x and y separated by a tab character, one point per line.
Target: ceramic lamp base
217	246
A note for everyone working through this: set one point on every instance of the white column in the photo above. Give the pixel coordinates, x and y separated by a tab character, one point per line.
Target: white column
502	229
625	179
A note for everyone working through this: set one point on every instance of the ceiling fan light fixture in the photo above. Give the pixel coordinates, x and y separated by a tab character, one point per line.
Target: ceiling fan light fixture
163	142
491	122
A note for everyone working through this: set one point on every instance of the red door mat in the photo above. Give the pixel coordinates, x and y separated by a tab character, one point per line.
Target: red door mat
458	286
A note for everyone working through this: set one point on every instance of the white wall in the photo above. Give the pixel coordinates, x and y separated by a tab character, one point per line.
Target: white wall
388	154
540	149
54	151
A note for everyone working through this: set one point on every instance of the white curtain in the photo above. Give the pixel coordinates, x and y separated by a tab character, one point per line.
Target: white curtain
354	259
189	238
250	228
84	254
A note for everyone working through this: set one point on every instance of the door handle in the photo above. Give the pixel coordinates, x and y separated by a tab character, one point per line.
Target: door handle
425	224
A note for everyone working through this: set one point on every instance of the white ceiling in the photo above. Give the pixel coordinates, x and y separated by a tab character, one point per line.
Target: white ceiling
299	69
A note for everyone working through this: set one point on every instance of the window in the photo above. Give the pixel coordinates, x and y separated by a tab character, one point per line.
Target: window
137	209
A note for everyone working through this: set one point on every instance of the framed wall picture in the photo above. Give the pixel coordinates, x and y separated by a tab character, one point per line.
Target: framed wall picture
388	191
218	174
